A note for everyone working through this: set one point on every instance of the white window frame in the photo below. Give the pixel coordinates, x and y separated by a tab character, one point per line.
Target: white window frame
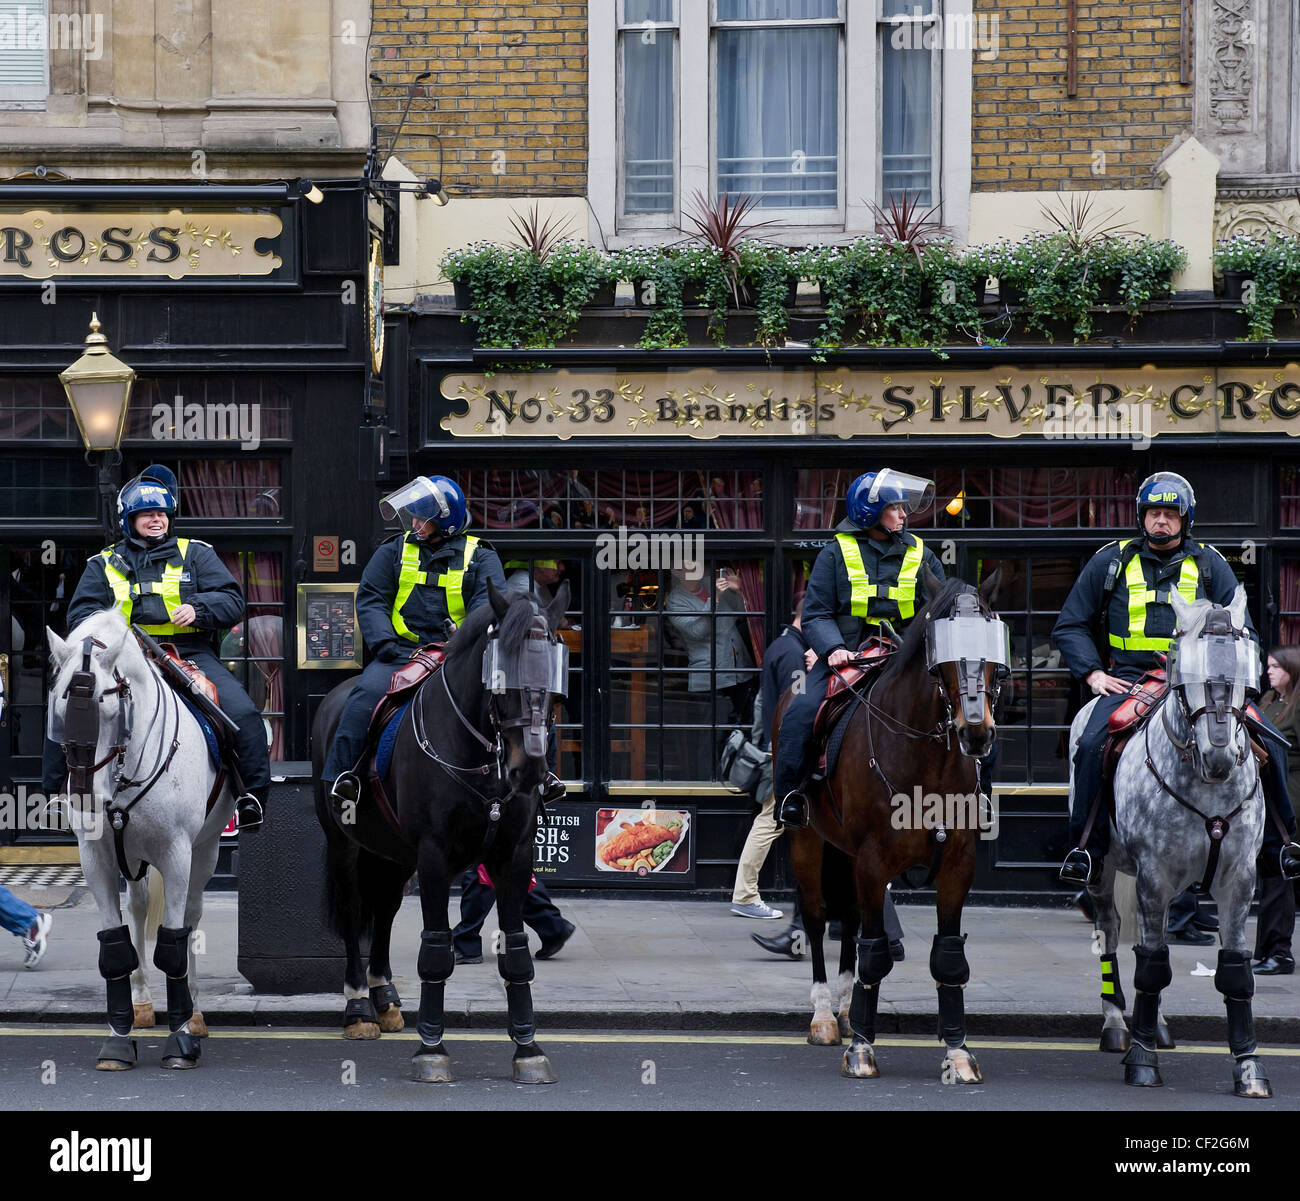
31	96
860	162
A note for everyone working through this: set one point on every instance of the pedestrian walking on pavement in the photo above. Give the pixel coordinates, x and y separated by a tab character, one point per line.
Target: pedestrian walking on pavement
29	924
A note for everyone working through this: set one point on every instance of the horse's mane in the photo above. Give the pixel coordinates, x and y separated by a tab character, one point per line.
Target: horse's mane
914	639
511	632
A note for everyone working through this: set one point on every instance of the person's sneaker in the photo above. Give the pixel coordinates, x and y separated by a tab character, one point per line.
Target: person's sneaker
35	940
758	909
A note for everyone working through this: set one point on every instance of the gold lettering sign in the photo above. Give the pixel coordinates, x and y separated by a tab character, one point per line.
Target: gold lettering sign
1126	404
44	244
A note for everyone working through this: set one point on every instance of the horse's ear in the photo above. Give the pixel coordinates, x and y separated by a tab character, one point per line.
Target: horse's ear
932	584
989	589
1237	608
498	600
59	649
555	610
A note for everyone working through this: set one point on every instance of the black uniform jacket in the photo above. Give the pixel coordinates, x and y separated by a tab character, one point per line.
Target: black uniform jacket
205	584
426	610
828	621
1075	628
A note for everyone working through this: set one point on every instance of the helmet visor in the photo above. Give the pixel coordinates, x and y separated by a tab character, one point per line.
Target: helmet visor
892	487
417	501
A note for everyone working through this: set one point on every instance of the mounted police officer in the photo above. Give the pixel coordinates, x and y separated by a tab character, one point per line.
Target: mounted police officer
1115	621
414	585
178	590
866	580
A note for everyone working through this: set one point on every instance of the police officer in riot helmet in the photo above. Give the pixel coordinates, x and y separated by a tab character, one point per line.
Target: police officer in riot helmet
177	590
415	584
1115	622
866	580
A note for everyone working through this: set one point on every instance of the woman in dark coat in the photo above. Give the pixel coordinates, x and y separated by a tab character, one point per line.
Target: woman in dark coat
1277	902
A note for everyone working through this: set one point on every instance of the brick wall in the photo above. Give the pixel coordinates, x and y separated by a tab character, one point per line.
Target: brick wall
507	97
1027	134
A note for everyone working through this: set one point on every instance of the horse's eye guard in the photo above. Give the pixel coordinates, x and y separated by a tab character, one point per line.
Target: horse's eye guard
973	639
541	664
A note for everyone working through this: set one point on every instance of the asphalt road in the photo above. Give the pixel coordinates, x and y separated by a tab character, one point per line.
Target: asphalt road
49	1068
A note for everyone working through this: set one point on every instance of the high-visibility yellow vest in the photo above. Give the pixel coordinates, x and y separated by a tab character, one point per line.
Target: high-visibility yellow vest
453	581
169	588
1140	596
903	593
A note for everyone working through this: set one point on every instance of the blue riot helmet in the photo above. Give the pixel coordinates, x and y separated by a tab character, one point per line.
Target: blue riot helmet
154	488
870	494
1166	489
428	498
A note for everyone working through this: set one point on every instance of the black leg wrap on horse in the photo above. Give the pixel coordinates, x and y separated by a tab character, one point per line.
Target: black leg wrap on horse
436	961
948	959
117	956
1111	988
171	953
515	962
862	1010
383	997
1236	982
874	960
429	1024
121	1014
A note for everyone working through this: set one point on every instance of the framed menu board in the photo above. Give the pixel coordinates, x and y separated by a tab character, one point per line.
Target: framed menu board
327	626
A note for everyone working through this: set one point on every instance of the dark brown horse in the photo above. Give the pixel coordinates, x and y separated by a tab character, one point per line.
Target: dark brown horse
904	793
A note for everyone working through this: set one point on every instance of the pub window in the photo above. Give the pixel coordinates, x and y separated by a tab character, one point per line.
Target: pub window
685	654
25	53
721	499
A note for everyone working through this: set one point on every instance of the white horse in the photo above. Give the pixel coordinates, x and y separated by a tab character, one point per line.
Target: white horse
1185	782
151	773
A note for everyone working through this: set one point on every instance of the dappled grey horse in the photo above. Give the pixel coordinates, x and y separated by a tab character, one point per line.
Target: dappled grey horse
1189	808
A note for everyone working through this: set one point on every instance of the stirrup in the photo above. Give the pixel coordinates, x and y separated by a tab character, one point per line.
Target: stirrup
1079	867
793	810
1288	859
251	814
347	787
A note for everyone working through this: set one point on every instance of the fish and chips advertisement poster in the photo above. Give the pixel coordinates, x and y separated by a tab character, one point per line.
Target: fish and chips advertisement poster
646	846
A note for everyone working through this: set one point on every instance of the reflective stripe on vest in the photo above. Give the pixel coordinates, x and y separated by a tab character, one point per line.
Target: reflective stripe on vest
169	588
452	581
903	593
1140	596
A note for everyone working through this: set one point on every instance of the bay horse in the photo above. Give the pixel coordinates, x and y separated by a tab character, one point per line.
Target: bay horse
905	793
1189	807
468	766
142	788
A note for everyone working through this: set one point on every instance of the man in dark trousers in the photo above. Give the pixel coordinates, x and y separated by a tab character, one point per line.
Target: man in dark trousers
1123	591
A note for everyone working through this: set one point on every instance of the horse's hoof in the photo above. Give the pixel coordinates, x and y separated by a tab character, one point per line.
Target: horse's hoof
1164	1038
859	1063
144	1018
431	1069
1142	1077
824	1032
391	1021
198	1027
1114	1039
361	1030
118	1054
532	1069
1249	1079
959	1067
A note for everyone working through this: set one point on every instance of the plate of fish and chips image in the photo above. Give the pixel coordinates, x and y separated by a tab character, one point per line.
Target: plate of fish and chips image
639	841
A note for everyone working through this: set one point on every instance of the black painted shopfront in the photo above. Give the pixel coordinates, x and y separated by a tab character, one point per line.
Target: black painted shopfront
556	457
247	332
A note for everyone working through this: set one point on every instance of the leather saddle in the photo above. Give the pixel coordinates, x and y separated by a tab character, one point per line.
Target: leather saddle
842	693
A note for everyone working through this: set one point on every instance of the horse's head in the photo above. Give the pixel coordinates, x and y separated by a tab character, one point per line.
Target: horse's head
525	667
90	704
968	650
1212	665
